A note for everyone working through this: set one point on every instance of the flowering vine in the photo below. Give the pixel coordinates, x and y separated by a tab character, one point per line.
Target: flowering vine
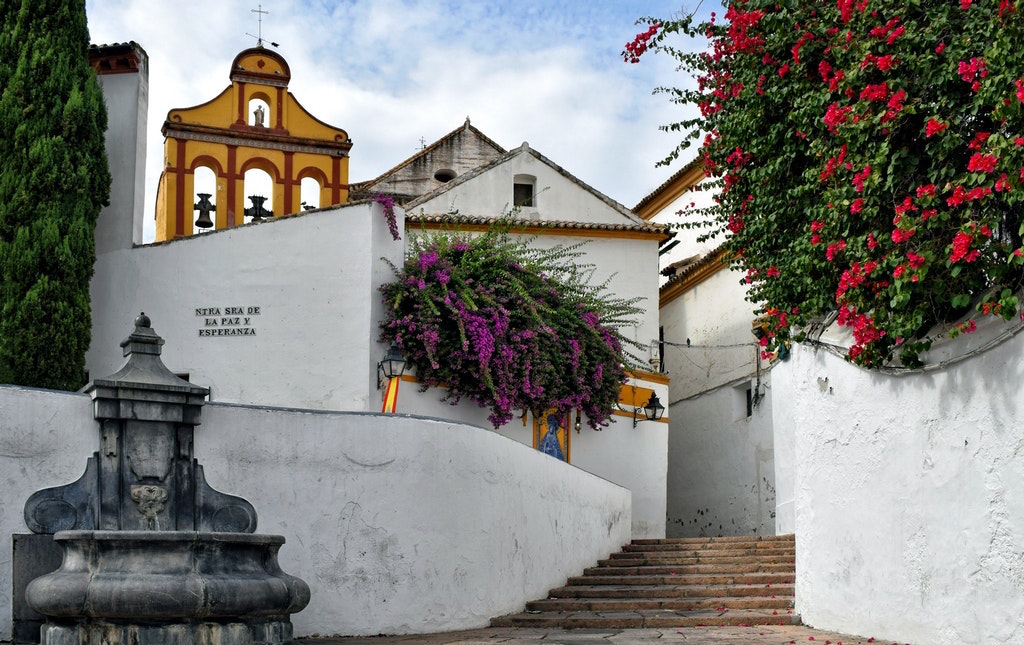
512	327
882	168
388	202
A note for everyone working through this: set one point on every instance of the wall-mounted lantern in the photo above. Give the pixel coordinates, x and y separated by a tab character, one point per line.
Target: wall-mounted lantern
653	410
391	366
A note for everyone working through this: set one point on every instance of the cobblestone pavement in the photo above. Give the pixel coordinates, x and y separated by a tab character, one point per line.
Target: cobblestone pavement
756	635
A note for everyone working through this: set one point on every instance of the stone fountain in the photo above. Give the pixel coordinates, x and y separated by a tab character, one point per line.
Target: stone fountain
151	553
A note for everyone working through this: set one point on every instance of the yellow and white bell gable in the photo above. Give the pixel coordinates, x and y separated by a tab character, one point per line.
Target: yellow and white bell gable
255	123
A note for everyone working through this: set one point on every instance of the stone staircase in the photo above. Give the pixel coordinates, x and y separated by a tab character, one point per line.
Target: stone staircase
681	582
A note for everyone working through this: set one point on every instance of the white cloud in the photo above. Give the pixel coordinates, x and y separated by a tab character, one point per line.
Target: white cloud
392	71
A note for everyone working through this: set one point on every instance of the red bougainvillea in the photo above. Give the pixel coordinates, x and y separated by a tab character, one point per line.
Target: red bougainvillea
882	167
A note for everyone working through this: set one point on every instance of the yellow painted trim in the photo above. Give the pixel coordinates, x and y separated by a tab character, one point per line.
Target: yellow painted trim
640	419
673	191
616	412
651	377
673	290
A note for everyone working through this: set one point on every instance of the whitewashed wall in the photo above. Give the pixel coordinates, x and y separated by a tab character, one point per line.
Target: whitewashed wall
679	211
721	465
127	98
909	496
399	524
633	459
716	319
721	462
313	278
45	439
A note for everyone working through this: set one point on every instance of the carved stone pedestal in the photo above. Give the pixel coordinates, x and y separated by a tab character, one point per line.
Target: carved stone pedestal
152	554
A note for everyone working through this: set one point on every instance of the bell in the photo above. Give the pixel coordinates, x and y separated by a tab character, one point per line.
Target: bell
204	207
257	212
204	221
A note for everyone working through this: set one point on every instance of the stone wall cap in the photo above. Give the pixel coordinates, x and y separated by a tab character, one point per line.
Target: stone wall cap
169	536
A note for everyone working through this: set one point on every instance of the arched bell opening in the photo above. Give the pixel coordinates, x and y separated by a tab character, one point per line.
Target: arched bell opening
204	200
259	195
310	192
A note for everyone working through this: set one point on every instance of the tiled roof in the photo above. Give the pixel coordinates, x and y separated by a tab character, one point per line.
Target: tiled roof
484	220
696	163
676	268
693	265
691	273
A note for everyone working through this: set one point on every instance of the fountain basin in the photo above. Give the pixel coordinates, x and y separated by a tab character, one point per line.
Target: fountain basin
167	587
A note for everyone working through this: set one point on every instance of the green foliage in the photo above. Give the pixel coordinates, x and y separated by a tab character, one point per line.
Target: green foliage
53	182
509	325
869	158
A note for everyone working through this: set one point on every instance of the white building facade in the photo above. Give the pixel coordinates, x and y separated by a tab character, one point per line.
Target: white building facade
722	472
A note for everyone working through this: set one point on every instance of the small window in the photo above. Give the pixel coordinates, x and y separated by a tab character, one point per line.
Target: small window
522	195
524	191
444	175
745	401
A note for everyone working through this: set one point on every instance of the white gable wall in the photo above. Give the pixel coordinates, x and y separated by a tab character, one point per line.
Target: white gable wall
555	195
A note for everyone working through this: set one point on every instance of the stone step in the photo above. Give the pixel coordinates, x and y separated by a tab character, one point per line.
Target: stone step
719	541
665	559
649	569
675	583
661	591
684	549
782	604
686	579
645	619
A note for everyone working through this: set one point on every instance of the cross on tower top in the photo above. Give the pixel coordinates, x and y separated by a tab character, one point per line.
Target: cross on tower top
259	11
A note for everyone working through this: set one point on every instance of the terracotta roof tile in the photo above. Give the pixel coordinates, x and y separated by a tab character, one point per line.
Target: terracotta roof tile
484	220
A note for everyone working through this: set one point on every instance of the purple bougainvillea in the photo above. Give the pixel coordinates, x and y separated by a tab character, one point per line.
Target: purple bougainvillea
509	326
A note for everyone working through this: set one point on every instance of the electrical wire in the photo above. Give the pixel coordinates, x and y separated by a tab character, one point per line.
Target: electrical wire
691	346
897	370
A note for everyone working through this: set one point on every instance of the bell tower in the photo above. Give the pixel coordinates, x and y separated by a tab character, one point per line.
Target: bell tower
254	123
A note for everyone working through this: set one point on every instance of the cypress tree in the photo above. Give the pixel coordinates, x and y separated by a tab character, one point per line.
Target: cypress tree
54	180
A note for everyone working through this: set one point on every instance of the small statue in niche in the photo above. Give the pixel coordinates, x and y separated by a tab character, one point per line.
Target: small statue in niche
258	116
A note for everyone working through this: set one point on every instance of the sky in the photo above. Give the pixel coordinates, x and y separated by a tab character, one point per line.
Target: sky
393	73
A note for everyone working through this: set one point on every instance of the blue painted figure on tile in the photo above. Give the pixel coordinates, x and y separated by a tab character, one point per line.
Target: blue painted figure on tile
550	444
